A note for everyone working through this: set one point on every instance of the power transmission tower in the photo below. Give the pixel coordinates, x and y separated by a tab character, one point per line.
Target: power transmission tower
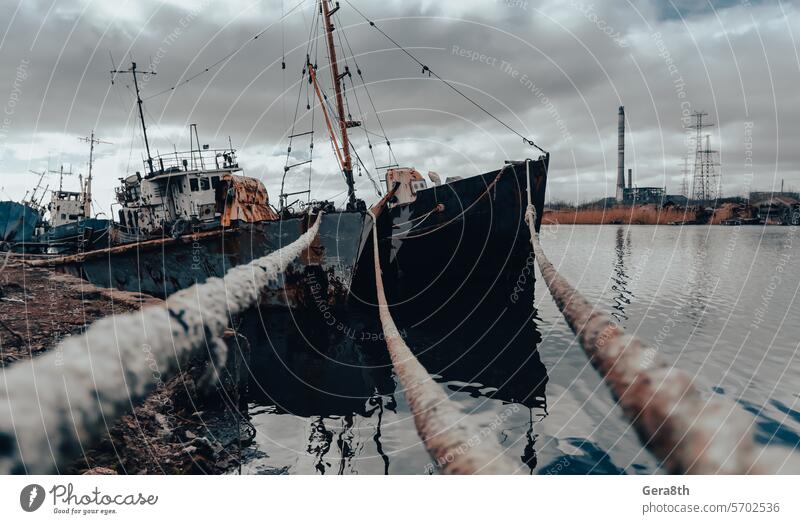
705	182
685	177
709	178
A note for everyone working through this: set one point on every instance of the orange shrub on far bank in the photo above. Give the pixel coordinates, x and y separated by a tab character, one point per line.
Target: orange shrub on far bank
644	215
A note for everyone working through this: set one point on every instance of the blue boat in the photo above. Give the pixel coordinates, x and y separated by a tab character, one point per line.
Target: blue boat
18	223
87	234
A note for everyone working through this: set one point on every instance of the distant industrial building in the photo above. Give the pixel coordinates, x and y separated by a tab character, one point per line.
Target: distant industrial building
629	194
644	195
776	206
621	154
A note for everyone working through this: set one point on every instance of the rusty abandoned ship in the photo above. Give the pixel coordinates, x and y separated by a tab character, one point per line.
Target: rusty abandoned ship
193	215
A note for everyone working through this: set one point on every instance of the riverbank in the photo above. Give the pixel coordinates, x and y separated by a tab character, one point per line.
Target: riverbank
649	214
180	428
644	215
41	307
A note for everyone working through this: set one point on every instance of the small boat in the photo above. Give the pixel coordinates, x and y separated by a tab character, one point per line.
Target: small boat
22	223
19	222
71	227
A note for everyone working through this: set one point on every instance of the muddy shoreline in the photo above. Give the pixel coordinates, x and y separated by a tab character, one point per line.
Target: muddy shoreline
184	427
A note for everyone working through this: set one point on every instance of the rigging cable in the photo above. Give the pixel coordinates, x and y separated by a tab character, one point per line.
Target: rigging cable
283	66
226	57
340	35
297	109
392	157
430	72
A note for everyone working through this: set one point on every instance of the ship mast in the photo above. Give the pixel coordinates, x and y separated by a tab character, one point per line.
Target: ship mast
87	190
347	163
61	174
38	186
133	71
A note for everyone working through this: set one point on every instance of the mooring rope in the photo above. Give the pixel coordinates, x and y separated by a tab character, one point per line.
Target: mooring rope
120	360
688	431
455	443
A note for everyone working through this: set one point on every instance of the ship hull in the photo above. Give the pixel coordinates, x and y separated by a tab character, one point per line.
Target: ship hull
85	235
459	245
17	225
319	279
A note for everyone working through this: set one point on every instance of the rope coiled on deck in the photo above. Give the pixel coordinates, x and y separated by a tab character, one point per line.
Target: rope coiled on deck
455	443
53	405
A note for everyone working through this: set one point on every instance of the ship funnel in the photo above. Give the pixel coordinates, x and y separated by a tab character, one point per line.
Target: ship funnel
621	155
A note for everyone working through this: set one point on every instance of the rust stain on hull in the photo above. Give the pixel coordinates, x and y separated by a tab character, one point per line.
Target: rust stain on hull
320	278
243	199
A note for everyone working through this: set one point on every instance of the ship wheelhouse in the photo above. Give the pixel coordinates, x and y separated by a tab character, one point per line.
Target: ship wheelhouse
181	189
66	207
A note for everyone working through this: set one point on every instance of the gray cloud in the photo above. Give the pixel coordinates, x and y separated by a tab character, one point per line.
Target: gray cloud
555	70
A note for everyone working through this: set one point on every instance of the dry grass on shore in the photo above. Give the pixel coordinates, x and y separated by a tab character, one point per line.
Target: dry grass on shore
646	214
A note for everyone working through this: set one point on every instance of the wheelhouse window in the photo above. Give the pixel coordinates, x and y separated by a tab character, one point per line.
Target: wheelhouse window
204	184
193	184
214	182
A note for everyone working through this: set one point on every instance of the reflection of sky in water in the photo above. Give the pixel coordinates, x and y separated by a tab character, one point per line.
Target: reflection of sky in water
706	298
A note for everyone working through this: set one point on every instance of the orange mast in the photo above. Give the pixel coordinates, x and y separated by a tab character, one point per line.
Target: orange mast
346	161
313	74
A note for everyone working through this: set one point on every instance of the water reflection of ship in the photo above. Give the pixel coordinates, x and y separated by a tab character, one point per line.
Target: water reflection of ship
327	374
497	359
332	376
492	354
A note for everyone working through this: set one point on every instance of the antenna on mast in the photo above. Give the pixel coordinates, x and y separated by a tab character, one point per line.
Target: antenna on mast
133	71
91	140
87	191
61	174
38	185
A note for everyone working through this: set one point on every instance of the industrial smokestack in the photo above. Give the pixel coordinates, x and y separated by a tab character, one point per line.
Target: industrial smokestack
621	155
630	178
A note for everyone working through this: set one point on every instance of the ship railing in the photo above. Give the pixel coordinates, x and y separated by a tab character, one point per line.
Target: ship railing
55	405
197	160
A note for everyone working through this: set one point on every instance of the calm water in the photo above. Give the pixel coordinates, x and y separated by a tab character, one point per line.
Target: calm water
720	302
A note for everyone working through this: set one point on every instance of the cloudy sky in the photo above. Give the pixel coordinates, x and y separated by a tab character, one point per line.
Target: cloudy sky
555	71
